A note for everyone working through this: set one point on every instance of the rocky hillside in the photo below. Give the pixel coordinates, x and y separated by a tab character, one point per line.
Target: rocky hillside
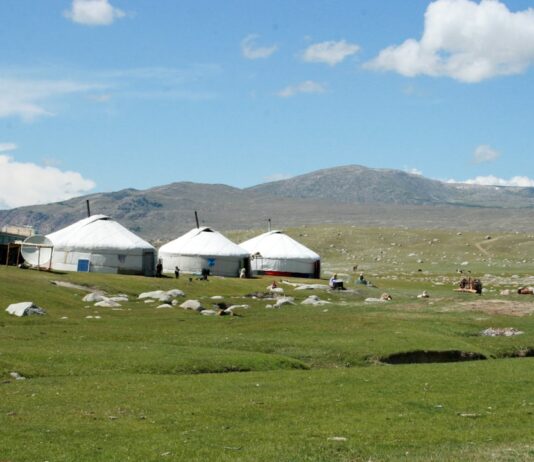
362	185
351	194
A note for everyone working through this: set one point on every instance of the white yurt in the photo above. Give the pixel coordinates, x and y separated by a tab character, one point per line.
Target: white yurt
204	249
99	244
275	253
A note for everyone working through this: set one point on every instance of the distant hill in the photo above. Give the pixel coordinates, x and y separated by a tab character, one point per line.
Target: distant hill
361	185
351	194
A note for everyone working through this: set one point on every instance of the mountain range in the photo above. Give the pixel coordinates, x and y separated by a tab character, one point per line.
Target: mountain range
350	194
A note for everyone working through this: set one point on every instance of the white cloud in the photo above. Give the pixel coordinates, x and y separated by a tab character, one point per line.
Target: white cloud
330	52
413	171
485	153
491	180
7	147
465	40
93	12
28	184
277	177
28	98
24	98
308	86
251	51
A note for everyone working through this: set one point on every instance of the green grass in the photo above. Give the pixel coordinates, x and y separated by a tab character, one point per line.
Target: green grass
146	384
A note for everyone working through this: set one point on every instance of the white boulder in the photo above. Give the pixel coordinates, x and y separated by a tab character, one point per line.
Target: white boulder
193	305
176	293
94	297
119	298
107	304
154	294
314	300
284	301
24	309
208	312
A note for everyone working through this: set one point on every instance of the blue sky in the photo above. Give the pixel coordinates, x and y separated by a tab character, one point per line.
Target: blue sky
101	95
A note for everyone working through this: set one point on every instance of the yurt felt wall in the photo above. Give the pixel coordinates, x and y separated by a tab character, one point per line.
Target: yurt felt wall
100	244
203	248
275	253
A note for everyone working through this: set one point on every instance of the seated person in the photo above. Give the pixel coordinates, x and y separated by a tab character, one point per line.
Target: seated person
361	280
336	283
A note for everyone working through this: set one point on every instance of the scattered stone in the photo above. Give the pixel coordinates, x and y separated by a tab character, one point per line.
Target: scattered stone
176	293
108	304
217	297
208	312
424	294
149	300
164	298
501	332
312	287
284	301
94	297
289	283
24	309
268	306
17	376
337	438
164	305
193	305
314	300
383	298
119	298
153	294
505	292
275	290
464	263
259	295
235	307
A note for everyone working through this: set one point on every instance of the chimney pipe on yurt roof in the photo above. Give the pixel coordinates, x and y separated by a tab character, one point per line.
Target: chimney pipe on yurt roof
269	224
196	219
88	208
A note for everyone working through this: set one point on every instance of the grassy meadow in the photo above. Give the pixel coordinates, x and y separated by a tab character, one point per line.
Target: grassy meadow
298	383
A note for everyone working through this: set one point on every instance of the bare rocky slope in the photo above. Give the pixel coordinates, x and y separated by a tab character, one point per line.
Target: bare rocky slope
351	194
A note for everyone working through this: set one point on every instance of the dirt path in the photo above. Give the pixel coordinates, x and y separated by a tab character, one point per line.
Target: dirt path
478	245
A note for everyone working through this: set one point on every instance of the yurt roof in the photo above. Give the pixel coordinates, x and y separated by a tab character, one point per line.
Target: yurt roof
277	244
204	241
97	232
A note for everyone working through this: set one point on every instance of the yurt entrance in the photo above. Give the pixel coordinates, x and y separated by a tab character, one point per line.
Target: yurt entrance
317	269
149	261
